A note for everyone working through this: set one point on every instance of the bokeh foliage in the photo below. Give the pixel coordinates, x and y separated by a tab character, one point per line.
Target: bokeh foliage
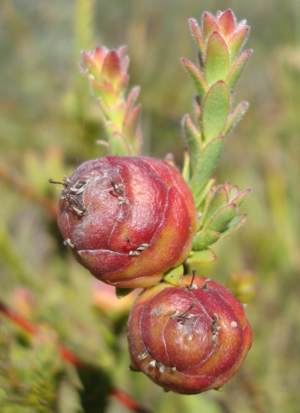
49	124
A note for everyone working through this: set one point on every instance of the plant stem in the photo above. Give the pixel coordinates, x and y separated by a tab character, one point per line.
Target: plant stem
124	398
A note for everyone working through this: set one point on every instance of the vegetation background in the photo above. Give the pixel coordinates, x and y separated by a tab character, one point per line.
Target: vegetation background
49	124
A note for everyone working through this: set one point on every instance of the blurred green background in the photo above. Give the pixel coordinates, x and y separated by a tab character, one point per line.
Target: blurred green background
49	124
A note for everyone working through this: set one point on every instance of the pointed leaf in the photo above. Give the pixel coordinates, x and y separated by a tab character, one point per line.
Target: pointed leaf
205	167
186	166
236	116
217	59
111	65
204	239
209	24
237	67
132	97
202	257
215	200
197	76
92	61
222	219
237	196
193	139
216	108
131	122
204	193
238	40
235	224
122	50
227	21
197	34
174	275
219	202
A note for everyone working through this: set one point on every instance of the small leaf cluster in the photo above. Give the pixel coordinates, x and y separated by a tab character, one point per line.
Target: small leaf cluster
219	39
29	371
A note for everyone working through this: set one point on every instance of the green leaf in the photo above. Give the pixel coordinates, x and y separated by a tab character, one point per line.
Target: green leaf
197	34
174	275
235	224
202	257
201	198
223	218
216	107
236	116
237	67
186	166
193	139
205	167
196	75
222	206
203	239
217	59
215	200
238	40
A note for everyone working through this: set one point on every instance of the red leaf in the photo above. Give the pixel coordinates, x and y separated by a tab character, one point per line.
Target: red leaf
227	22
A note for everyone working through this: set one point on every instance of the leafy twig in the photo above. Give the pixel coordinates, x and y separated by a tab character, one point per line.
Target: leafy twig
124	398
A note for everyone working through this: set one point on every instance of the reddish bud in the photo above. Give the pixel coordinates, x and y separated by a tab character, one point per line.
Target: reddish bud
107	70
233	33
128	219
188	339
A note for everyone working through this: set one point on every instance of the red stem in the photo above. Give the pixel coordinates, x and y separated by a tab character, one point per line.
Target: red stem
124	398
127	401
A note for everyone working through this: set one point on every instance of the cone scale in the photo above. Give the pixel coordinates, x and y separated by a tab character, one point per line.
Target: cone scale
188	339
127	219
